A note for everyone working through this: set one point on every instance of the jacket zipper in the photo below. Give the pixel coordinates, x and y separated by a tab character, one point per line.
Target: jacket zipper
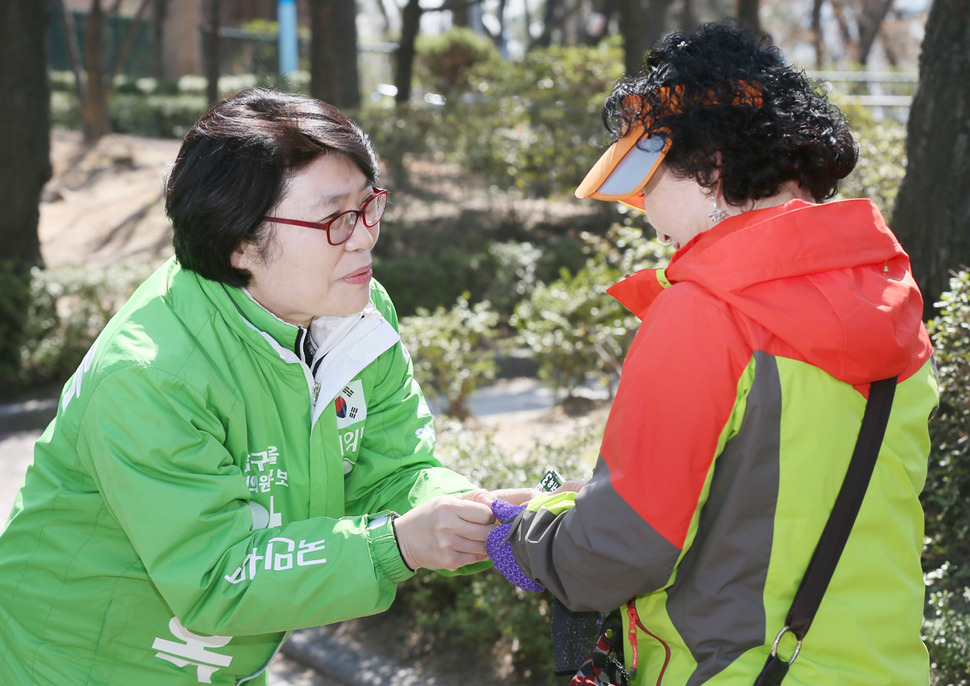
634	623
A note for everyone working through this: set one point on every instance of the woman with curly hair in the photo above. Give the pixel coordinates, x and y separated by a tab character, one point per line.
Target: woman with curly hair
742	395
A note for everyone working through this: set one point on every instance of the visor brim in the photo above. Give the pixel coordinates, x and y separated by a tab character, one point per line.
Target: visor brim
625	168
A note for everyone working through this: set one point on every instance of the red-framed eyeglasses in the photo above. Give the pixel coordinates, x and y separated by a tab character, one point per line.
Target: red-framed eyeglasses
341	228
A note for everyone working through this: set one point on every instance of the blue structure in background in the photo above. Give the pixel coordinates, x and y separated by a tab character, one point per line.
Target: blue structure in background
289	46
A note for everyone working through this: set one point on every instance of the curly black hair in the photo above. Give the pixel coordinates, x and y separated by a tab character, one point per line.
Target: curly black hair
735	111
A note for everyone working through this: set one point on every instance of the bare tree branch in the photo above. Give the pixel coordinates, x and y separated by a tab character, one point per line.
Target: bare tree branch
73	49
126	46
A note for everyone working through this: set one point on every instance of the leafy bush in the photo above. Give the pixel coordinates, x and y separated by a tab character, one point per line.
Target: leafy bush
513	269
946	631
451	350
398	132
882	159
484	613
15	280
534	125
577	332
445	59
68	308
148	107
946	557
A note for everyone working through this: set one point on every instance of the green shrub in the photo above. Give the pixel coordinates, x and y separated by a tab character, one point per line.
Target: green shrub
534	125
68	308
152	108
398	132
483	613
946	556
15	282
946	631
513	273
452	350
576	331
944	498
156	116
445	59
882	160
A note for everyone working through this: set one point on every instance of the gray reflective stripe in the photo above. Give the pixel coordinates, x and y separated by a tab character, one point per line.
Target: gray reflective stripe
597	555
716	602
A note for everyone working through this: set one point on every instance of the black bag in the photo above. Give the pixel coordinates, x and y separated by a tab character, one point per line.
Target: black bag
604	665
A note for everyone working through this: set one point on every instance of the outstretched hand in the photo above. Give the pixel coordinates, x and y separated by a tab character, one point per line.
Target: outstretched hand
446	532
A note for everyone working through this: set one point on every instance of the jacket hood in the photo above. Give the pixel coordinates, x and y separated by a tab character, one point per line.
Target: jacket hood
830	281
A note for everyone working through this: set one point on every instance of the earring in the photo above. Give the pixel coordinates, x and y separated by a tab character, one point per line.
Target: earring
717	215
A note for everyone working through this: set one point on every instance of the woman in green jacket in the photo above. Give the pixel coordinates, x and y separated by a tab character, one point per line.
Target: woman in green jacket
243	451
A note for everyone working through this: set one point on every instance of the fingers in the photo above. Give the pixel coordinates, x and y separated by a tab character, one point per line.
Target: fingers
479	495
516	496
572	485
446	532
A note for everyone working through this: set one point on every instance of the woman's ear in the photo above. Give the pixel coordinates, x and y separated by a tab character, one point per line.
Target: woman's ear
241	257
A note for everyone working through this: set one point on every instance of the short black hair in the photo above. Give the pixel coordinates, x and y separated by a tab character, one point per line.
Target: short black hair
732	107
233	167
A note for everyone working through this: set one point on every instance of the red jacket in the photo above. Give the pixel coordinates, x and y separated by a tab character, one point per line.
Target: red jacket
736	413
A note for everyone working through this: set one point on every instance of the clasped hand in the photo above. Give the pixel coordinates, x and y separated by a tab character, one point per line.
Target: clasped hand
449	531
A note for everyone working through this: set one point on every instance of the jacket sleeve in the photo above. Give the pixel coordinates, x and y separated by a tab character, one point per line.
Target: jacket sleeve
396	468
669	420
157	455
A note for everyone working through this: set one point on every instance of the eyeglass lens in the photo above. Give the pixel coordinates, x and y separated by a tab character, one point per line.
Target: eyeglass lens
342	226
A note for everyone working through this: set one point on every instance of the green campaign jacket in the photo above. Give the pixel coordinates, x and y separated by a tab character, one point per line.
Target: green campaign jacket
734	421
200	492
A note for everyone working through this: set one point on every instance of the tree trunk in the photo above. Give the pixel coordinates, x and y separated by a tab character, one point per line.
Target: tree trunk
818	41
73	50
125	50
870	21
212	51
632	29
748	13
181	49
641	24
549	21
932	214
404	64
159	10
838	11
688	15
26	158
333	53
94	108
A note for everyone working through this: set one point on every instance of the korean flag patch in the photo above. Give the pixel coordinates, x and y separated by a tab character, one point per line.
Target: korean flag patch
350	405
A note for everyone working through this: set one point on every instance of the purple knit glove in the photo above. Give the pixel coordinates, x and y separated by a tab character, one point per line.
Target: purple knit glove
500	550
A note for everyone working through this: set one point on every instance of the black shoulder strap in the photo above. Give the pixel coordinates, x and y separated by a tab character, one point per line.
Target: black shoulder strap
836	532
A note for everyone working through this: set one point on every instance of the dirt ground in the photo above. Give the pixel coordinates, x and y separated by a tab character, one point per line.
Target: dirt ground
104	206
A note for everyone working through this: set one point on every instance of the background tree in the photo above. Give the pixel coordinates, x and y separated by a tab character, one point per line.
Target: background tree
932	214
404	59
871	16
334	74
642	23
94	81
177	46
213	48
748	13
410	28
859	23
25	159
